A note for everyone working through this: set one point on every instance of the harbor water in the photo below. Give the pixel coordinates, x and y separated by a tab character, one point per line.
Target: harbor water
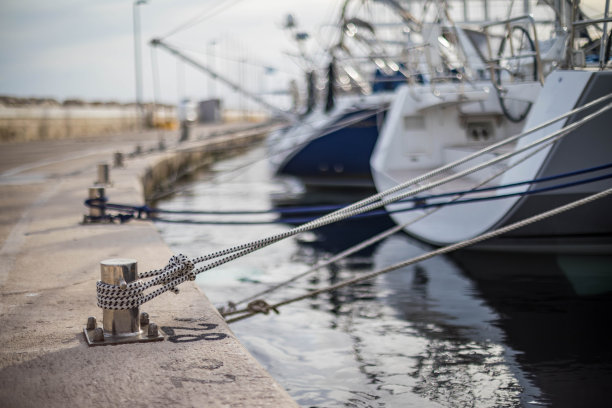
471	330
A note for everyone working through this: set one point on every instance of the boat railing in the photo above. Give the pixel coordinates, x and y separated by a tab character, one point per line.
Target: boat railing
436	73
499	64
421	68
576	56
414	68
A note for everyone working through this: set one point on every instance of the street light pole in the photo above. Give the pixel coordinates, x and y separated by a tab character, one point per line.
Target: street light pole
138	61
211	80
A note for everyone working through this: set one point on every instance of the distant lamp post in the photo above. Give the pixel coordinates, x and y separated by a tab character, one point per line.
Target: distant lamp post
211	55
138	60
268	71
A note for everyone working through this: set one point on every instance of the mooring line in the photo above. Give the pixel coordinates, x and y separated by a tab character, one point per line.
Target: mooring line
470	157
172	275
263	307
231	307
419	204
317	209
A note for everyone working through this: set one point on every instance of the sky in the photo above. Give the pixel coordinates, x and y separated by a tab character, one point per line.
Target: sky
85	49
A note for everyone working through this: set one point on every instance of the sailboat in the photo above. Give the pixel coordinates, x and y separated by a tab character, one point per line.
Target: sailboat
332	143
429	129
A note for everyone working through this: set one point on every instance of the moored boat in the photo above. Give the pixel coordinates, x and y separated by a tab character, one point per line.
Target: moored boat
332	143
417	139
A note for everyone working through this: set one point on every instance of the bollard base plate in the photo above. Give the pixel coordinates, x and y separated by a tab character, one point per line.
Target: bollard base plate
140	337
105	219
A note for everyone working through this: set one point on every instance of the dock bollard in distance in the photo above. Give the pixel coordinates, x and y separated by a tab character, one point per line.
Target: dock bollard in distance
120	326
118	159
103	174
96	195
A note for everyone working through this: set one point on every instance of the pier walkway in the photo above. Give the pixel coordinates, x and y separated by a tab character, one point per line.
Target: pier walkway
49	266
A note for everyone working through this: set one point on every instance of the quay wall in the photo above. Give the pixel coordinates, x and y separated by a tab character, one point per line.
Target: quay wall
53	122
164	173
24	120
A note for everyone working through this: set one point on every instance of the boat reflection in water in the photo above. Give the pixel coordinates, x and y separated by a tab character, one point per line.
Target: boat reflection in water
554	310
500	329
479	329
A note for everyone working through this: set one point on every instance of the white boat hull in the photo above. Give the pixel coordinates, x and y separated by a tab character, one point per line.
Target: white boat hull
584	230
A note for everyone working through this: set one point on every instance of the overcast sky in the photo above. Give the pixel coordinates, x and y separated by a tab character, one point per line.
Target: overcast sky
84	48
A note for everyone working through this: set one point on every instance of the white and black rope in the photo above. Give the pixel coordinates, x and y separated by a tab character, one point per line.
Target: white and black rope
115	297
181	269
232	307
265	307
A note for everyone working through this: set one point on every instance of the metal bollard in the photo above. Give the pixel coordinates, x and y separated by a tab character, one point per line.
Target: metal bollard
120	326
120	322
103	174
118	159
96	194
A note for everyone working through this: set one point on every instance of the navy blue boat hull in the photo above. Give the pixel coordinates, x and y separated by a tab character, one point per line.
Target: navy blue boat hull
338	157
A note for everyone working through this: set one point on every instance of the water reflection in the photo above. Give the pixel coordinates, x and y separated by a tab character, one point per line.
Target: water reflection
475	330
547	313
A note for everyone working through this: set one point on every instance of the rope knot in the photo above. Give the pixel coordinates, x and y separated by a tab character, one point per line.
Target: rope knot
229	309
178	266
186	264
261	306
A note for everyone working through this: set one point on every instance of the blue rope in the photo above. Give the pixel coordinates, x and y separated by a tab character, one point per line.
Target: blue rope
144	209
420	206
502	196
379	213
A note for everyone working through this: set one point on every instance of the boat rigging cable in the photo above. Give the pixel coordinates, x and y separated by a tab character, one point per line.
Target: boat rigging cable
209	12
181	269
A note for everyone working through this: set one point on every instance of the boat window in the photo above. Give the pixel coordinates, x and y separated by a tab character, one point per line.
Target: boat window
414	122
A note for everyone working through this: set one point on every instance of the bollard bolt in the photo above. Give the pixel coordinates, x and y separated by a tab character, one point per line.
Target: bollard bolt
153	332
98	334
122	284
144	318
91	323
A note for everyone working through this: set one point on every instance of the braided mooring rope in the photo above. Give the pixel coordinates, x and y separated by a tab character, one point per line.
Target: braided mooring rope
180	268
115	297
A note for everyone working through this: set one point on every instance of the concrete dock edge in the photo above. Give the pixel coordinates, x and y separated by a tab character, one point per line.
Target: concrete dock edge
50	265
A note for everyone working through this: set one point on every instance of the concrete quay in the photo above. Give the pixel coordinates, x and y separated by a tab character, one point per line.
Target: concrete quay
50	263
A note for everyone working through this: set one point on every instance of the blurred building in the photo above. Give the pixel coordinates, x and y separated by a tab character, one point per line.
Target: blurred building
209	111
